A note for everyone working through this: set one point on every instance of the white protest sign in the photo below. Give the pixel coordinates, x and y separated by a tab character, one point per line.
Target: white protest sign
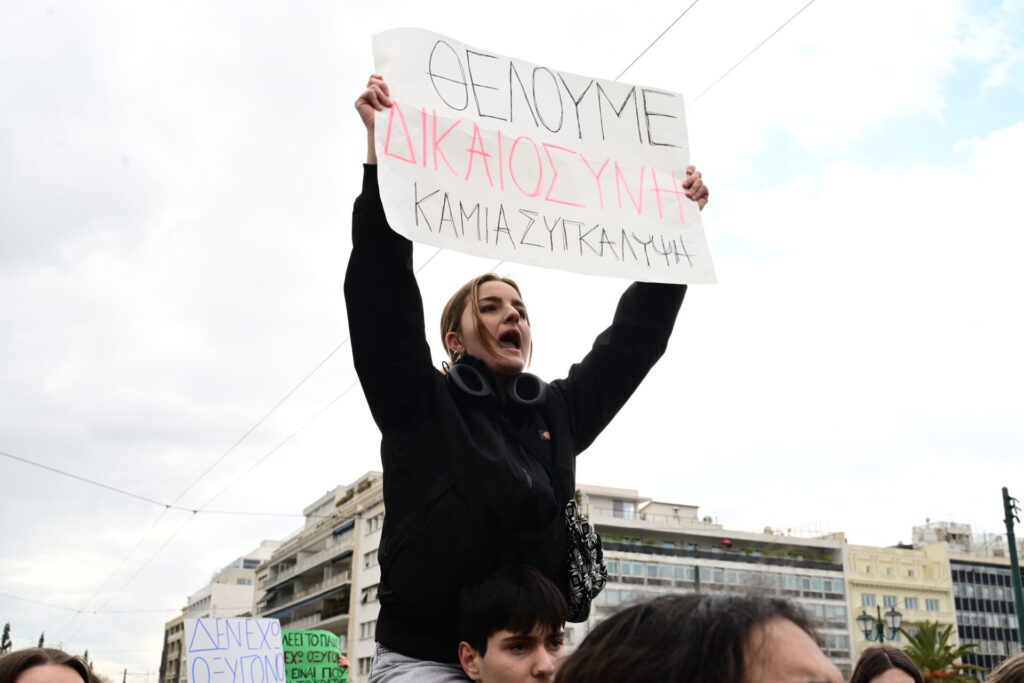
234	650
500	158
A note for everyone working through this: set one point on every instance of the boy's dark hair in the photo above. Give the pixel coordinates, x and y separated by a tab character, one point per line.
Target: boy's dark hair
875	661
517	598
696	638
16	663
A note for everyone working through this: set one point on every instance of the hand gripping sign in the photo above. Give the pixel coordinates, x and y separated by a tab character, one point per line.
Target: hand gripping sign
500	158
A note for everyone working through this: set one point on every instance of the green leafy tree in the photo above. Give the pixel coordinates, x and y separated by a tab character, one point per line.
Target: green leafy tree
936	657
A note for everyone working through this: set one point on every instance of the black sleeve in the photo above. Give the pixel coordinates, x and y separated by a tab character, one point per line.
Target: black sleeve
598	386
385	313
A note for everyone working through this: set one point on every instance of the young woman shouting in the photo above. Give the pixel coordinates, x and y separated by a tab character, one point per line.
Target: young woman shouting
479	459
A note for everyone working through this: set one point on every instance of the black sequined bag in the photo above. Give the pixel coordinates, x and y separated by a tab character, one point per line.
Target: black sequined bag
587	572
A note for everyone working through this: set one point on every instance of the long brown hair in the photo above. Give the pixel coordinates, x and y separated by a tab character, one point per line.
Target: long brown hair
16	663
695	638
469	293
876	660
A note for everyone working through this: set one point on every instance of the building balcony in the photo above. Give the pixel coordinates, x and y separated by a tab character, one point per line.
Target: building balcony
647	519
326	584
305	563
723	556
304	622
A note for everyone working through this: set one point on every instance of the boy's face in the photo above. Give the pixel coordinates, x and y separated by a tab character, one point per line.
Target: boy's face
515	657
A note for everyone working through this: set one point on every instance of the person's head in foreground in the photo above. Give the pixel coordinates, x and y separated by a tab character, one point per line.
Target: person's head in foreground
44	665
885	664
511	627
1010	671
702	639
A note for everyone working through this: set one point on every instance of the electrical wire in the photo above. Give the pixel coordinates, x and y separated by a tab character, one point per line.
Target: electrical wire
660	36
73	609
166	506
746	56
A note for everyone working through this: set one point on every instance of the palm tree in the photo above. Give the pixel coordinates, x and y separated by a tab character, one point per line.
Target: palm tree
936	657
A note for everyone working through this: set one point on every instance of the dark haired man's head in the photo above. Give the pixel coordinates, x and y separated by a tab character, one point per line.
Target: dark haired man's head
885	664
702	639
511	627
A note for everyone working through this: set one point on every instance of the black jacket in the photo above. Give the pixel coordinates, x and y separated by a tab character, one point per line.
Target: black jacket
465	488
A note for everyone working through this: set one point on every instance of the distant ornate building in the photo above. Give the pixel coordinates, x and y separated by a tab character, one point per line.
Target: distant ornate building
916	582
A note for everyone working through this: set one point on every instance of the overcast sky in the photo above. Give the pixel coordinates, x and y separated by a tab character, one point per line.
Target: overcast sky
176	181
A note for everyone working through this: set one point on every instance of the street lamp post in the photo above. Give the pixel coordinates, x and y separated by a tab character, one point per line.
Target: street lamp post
875	630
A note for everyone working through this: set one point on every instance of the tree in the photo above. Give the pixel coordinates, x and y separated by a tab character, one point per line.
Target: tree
42	638
5	639
936	657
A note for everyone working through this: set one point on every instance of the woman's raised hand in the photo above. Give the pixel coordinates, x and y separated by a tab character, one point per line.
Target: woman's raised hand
375	98
695	187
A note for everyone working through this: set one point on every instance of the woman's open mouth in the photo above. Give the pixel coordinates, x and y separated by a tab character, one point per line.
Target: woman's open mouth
511	341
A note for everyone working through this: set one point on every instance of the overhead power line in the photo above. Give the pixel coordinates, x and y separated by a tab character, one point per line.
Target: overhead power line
73	609
166	506
660	36
746	56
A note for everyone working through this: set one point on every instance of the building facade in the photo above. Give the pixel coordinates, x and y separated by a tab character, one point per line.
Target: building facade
325	575
916	582
653	548
172	660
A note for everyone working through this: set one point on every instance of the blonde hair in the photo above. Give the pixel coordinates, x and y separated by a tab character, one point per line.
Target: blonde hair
451	317
1010	671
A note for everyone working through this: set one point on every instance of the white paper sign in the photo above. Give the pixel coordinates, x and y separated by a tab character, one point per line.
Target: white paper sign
234	650
497	157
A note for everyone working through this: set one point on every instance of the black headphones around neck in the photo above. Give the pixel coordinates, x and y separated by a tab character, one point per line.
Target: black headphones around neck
524	389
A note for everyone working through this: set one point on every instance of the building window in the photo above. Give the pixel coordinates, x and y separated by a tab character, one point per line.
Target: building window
370	559
888	601
910	603
624	509
910	572
374	523
243	582
931	604
684	573
888	571
364	664
833	585
369	594
867	599
367	629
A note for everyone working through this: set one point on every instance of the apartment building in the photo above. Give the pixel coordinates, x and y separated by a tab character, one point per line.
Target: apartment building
325	575
172	660
653	548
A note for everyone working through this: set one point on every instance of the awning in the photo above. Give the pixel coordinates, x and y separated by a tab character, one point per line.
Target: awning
344	527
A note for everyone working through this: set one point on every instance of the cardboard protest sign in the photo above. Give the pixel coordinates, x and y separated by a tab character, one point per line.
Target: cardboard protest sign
494	156
234	650
313	657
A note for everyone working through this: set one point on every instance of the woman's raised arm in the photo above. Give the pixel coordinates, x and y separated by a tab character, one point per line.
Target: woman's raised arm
385	309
